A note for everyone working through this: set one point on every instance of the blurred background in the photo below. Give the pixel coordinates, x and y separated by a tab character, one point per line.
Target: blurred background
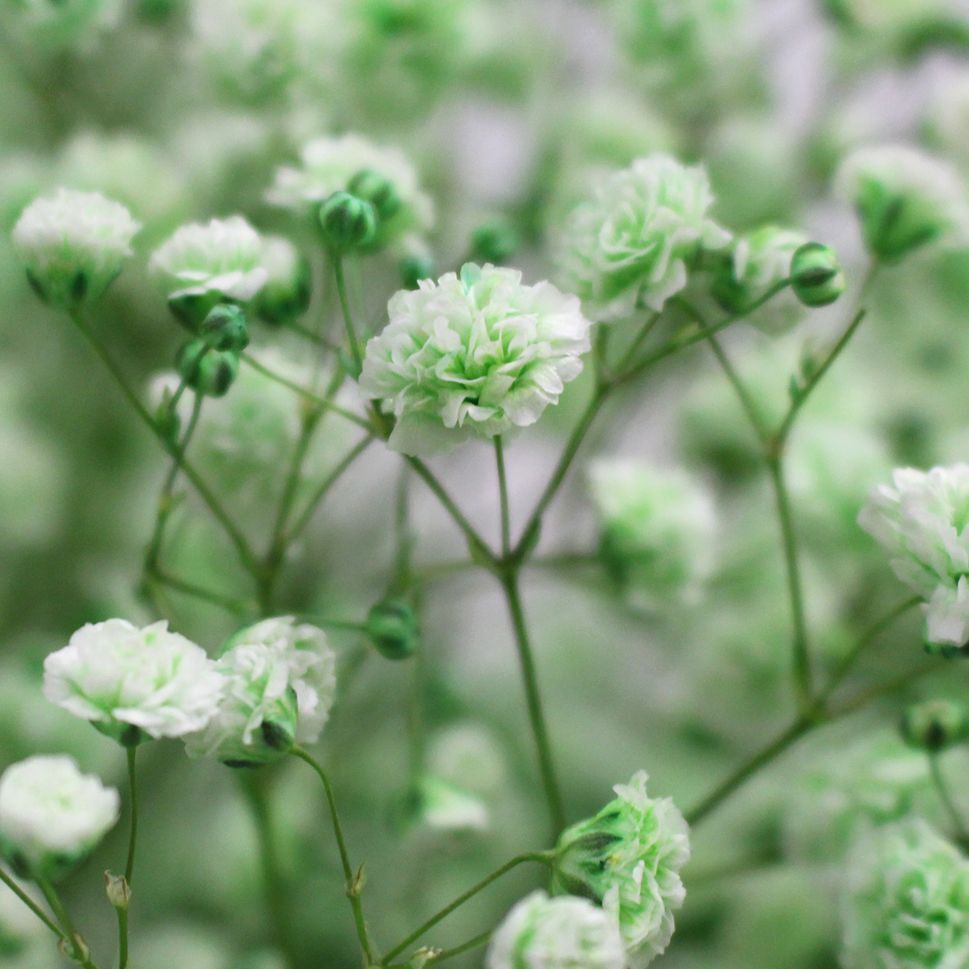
509	110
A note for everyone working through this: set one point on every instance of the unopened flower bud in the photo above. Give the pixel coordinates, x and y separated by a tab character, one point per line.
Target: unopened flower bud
379	191
225	328
348	222
817	278
935	724
205	370
392	628
118	890
495	241
415	268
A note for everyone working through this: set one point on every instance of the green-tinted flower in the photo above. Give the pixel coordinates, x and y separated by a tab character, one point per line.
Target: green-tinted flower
442	805
921	521
564	932
905	199
658	528
906	902
328	165
203	264
51	815
480	353
635	241
628	859
73	244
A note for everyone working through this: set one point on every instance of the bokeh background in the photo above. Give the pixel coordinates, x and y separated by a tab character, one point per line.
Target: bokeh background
509	109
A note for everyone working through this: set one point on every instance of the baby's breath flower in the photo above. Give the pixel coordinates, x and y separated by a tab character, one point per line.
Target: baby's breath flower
658	528
628	858
286	295
255	721
329	165
478	353
905	199
906	902
441	805
132	682
635	241
52	815
564	932
921	521
310	663
73	244
205	263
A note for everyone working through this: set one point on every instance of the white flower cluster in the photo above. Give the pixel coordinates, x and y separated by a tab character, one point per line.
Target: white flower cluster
564	932
73	244
52	815
476	353
921	520
635	241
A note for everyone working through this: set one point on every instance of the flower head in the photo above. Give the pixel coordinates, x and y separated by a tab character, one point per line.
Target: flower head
73	244
628	858
921	521
329	165
478	353
905	199
206	263
658	528
634	242
564	932
132	682
52	815
907	902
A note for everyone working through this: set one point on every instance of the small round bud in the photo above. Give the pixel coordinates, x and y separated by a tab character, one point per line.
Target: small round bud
379	191
286	295
118	890
935	724
348	222
205	370
392	628
225	328
415	268
817	278
495	241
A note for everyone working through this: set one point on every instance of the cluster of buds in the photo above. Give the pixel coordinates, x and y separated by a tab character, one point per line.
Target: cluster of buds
350	218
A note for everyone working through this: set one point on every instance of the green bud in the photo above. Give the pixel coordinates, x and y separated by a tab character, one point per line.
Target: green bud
495	241
935	724
118	890
415	268
225	328
817	278
348	222
392	628
205	370
190	309
380	192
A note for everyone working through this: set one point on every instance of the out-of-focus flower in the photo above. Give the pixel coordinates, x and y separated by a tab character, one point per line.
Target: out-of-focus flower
205	263
52	815
441	805
328	165
921	521
905	199
658	528
66	23
132	682
255	721
906	902
480	353
628	858
73	244
286	294
634	242
935	725
311	665
564	932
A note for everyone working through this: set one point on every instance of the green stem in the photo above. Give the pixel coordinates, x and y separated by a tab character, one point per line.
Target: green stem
235	535
30	903
801	647
133	831
945	796
353	881
80	951
503	497
237	607
341	288
541	857
536	714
